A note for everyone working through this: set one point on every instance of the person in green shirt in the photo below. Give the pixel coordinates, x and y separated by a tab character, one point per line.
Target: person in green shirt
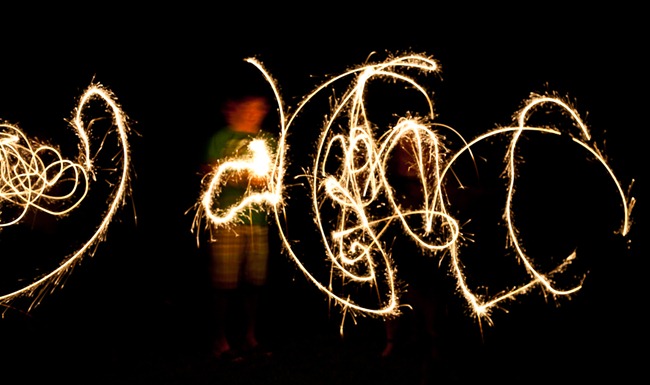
239	250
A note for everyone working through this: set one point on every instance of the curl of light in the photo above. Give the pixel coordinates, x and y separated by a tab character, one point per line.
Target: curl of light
27	176
29	171
483	305
260	163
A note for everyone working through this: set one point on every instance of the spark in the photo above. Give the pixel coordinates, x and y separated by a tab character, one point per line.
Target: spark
33	175
349	178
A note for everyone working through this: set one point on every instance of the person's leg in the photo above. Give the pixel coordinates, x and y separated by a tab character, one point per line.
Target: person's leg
429	335
256	277
251	304
427	305
390	328
222	299
226	255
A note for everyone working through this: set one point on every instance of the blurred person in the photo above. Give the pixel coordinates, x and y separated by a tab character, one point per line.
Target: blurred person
238	251
418	329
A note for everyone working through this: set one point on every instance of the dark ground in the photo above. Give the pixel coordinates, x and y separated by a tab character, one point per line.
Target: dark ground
139	325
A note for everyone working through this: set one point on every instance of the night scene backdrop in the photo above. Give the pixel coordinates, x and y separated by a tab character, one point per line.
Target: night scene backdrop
136	310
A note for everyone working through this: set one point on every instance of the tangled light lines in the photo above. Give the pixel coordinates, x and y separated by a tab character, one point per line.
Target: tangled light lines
354	204
36	177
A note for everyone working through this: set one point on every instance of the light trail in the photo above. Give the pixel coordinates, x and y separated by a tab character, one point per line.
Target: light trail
26	178
260	163
32	175
349	178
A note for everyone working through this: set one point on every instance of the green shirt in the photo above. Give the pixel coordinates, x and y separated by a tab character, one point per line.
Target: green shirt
228	143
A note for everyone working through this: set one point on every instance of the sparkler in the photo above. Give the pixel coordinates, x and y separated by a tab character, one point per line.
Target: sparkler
349	178
260	163
36	176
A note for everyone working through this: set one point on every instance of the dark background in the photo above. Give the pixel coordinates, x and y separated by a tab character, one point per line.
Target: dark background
137	309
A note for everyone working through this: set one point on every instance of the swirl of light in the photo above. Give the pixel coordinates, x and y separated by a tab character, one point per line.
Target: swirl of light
28	179
360	182
349	173
260	163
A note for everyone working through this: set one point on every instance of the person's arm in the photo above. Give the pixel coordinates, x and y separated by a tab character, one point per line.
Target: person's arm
243	178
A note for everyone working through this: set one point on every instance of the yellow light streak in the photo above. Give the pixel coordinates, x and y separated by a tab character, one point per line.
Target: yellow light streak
358	191
33	173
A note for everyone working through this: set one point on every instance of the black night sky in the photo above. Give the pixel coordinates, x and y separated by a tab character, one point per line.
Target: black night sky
135	312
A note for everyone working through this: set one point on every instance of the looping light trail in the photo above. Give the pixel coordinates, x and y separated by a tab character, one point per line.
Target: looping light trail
27	178
35	176
349	182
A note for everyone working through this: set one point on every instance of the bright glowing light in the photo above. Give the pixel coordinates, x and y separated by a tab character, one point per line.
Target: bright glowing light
260	163
349	178
26	178
33	175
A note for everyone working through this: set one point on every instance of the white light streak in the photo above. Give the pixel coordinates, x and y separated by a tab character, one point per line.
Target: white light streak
261	164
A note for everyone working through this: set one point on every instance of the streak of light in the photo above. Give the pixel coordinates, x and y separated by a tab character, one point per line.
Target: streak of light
260	163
